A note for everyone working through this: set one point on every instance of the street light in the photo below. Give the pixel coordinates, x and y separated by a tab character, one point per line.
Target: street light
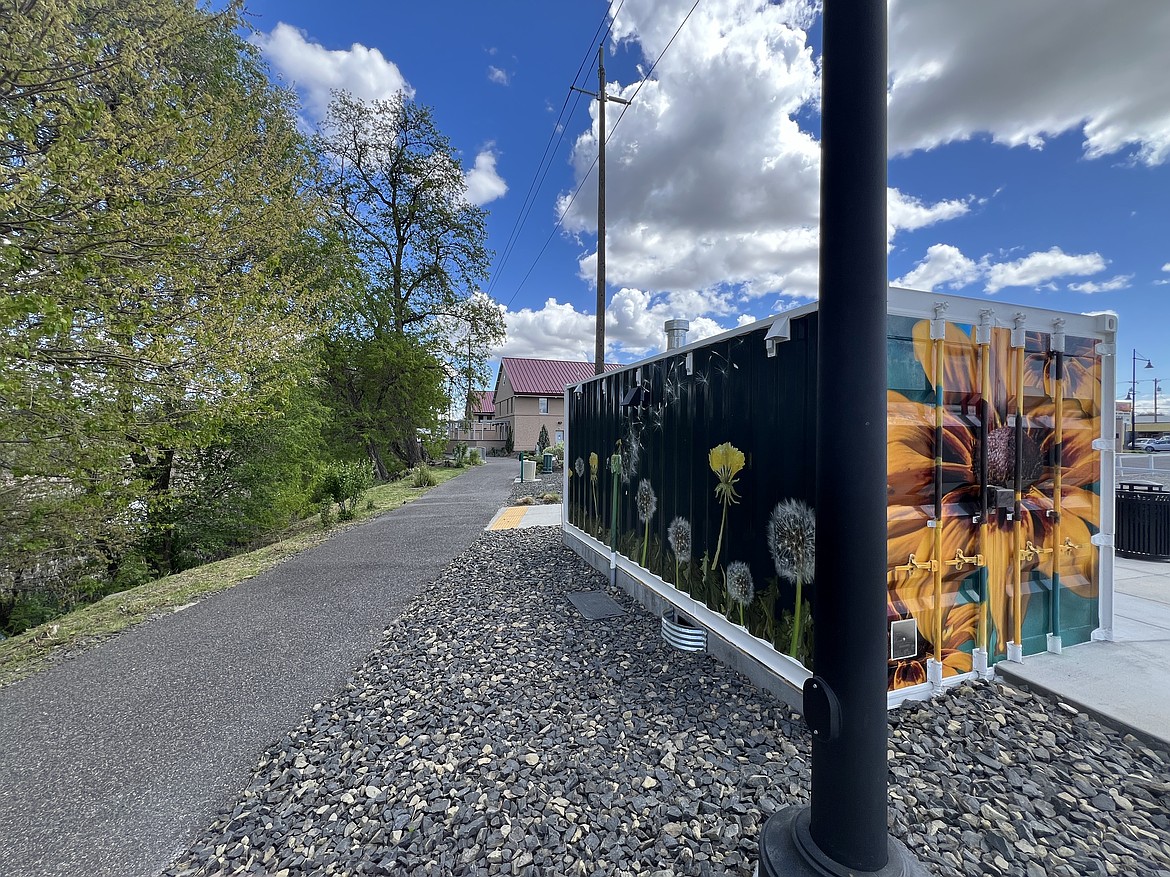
1133	405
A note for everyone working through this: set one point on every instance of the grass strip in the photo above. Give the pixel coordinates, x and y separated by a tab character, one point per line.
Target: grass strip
28	652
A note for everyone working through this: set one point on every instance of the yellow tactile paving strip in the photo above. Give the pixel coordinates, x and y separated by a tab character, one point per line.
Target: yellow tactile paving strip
509	518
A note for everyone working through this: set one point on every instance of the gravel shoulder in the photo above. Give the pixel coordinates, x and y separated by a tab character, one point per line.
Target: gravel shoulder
112	761
545	483
495	731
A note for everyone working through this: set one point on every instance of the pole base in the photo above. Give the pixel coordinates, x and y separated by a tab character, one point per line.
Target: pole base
1015	653
1054	644
788	850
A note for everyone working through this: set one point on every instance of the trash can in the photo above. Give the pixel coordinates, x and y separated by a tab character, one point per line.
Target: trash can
548	462
1143	521
528	470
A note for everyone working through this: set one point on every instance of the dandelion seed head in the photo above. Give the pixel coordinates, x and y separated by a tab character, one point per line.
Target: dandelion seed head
678	534
740	588
580	467
646	501
792	534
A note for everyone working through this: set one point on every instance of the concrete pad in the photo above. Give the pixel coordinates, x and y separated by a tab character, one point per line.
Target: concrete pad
1126	683
542	516
1148	612
526	516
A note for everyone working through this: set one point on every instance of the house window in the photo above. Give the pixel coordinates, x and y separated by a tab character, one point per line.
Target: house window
544	404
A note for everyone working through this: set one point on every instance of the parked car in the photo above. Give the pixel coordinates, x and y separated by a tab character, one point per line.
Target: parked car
1158	444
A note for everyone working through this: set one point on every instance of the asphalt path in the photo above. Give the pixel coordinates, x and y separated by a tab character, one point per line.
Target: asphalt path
112	761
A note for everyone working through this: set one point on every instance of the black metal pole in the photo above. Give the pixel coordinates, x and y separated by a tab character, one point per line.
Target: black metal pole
849	773
844	831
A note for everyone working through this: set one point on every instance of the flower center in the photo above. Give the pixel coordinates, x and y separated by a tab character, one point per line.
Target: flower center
1001	458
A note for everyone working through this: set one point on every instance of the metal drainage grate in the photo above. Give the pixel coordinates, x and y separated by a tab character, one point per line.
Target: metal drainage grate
682	633
595	605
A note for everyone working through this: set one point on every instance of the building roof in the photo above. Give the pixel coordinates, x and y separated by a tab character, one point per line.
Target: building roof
483	402
547	377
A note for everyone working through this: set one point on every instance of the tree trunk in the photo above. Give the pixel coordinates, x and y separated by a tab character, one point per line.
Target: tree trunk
380	470
410	449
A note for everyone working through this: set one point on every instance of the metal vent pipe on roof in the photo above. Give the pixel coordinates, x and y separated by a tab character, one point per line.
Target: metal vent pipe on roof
676	333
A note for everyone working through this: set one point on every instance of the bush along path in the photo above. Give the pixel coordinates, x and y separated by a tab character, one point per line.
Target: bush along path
111	762
495	731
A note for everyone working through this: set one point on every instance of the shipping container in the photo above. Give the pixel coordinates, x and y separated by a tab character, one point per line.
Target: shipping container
691	476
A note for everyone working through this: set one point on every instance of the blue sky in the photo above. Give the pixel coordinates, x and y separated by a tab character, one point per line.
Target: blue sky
1029	142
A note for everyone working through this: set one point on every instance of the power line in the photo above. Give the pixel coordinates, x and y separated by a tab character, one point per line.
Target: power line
589	171
558	132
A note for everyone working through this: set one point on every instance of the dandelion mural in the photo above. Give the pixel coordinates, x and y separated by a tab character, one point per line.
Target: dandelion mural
646	503
792	532
726	461
678	535
740	589
580	467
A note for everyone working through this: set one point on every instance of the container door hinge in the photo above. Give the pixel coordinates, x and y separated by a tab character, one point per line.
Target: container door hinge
1102	540
1105	444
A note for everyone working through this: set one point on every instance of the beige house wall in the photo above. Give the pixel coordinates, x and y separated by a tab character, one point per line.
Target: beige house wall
522	413
527	420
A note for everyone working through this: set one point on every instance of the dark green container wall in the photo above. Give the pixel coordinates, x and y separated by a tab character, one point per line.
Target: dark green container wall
737	394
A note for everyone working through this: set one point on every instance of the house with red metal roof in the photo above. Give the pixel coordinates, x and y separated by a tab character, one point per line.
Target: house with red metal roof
530	393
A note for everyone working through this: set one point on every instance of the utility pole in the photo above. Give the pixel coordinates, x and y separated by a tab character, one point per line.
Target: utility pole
602	98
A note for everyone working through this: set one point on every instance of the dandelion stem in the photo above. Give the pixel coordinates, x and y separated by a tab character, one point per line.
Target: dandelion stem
796	619
719	541
646	544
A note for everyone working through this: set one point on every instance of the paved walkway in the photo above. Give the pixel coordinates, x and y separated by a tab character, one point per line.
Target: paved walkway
110	763
1125	682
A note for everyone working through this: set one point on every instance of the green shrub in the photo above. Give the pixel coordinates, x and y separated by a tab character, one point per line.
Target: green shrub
474	457
327	519
460	454
29	610
551	498
423	476
344	484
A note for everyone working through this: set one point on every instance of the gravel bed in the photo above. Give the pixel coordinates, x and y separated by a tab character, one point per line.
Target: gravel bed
553	482
497	732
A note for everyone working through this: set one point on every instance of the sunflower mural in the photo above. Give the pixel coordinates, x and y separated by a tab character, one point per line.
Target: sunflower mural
962	439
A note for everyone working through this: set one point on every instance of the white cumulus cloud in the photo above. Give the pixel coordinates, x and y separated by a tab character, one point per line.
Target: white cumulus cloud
1026	72
484	183
498	76
634	324
1121	281
944	266
711	179
362	71
907	213
1038	268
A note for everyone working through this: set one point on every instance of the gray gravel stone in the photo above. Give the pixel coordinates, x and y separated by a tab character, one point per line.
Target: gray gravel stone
497	732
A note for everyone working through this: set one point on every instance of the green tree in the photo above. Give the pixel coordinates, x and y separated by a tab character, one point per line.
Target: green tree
400	195
542	442
156	216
